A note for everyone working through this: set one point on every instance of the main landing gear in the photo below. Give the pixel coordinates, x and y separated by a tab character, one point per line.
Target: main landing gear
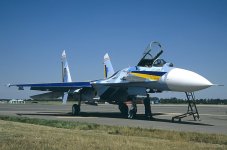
126	112
192	109
123	109
133	110
75	110
130	113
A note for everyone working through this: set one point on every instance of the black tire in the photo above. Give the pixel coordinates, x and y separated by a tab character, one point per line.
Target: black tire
132	113
75	110
123	108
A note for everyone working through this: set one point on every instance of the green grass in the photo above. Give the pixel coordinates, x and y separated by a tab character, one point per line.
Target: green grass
53	134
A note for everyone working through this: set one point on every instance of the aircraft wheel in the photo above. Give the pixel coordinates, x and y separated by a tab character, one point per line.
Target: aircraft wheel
75	110
132	113
123	108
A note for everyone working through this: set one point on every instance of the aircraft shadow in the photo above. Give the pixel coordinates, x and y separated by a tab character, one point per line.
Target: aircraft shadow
116	115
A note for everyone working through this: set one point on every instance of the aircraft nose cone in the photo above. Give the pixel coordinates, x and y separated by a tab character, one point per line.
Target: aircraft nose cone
186	81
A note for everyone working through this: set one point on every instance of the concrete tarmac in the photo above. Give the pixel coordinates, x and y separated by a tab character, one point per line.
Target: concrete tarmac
213	117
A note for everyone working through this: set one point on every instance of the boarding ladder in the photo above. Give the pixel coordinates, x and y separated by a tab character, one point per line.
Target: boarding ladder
192	109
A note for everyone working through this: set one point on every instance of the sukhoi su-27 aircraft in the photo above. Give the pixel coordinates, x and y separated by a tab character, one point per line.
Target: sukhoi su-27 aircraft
151	75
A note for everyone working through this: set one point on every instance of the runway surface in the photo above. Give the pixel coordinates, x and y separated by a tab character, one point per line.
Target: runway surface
213	117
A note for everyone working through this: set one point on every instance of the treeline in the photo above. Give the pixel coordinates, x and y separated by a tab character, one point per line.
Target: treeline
198	101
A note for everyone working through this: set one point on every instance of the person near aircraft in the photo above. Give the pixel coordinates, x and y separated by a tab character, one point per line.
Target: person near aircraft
147	106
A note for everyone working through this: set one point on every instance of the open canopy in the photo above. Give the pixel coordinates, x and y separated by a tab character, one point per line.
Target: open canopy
151	53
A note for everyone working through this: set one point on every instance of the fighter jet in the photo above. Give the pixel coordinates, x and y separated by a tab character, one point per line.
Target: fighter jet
151	75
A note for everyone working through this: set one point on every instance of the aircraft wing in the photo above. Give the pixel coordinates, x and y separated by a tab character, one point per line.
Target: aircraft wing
61	87
47	96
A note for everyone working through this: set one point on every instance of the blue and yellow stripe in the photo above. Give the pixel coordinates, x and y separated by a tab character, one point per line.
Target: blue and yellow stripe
152	75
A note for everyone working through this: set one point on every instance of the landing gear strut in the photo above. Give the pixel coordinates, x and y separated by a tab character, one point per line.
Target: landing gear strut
192	109
133	110
130	114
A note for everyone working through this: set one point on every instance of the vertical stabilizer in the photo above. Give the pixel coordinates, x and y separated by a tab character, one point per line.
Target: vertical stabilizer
108	68
66	77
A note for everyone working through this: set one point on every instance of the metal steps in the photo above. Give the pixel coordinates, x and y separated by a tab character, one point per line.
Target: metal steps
192	109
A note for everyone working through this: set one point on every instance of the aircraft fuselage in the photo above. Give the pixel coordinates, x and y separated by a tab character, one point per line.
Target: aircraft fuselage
165	78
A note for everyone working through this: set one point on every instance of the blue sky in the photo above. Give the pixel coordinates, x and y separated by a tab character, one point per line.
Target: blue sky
33	34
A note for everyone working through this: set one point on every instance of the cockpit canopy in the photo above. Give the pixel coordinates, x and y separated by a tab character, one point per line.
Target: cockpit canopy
151	55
